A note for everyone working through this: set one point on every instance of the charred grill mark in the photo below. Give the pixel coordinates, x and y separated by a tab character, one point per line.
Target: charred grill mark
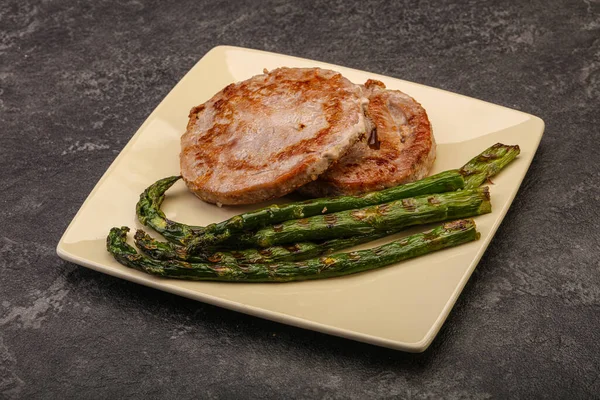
272	269
460	224
244	268
383	208
409	204
333	113
303	222
378	251
466	172
433	200
141	236
358	215
229	89
265	252
170	224
220	269
208	137
293	248
246	165
330	220
219	104
215	258
181	253
278	228
185	264
429	236
487	157
196	110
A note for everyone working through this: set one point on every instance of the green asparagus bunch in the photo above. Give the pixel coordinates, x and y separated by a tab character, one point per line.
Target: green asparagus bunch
295	241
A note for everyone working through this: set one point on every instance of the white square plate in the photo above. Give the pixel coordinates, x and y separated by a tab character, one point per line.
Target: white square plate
402	306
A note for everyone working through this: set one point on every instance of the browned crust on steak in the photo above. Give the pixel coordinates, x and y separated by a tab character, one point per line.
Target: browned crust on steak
406	153
264	137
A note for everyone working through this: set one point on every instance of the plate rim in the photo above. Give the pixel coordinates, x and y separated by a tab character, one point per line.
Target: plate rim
276	316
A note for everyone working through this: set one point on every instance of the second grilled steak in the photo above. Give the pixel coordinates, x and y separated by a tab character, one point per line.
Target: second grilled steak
401	150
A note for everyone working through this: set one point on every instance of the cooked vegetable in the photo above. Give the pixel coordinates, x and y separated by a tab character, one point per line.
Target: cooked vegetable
488	164
295	252
448	235
363	221
475	171
149	213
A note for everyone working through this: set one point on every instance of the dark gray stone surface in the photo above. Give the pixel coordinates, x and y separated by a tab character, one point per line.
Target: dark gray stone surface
78	78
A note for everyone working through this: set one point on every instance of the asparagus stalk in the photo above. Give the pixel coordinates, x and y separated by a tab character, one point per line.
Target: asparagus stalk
149	213
488	164
448	235
295	252
368	220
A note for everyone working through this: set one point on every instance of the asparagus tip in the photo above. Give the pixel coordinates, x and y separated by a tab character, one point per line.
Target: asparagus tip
123	229
114	234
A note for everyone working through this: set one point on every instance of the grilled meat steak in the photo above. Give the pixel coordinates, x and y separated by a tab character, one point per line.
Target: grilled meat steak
265	137
400	148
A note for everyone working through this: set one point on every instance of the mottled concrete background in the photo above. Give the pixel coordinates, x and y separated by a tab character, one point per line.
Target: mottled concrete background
78	78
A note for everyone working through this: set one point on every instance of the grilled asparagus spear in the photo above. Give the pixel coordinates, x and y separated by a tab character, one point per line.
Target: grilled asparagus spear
488	164
380	218
448	235
295	252
149	213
